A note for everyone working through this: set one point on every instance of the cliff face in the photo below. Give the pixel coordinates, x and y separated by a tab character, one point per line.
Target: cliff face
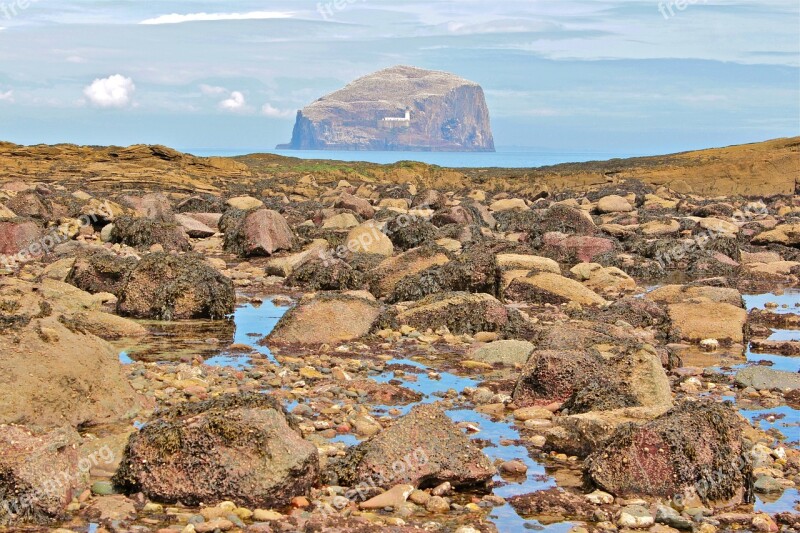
400	108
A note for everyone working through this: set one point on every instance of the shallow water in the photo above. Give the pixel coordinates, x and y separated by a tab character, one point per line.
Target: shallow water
251	322
788	301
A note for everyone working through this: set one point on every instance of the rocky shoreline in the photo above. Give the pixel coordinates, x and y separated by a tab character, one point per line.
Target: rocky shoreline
364	355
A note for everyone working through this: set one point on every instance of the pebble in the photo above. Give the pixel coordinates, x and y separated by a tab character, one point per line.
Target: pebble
437	504
636	517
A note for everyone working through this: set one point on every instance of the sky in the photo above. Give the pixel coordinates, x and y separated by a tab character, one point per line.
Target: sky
621	76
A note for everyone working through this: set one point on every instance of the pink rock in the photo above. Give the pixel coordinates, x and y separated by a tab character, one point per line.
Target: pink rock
265	232
17	236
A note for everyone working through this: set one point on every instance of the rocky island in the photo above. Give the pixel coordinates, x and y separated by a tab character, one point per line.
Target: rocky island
399	108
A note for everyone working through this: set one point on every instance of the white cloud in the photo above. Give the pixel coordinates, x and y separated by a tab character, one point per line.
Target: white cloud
114	91
7	96
175	18
235	102
210	90
76	59
273	112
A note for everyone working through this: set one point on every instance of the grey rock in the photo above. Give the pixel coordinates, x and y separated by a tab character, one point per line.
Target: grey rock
763	378
508	352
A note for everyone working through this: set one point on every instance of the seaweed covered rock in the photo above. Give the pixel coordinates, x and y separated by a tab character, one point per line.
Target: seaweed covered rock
259	232
142	233
562	218
173	287
549	288
99	270
236	447
692	451
386	276
40	474
460	312
423	449
326	318
325	275
457	214
552	376
406	231
475	270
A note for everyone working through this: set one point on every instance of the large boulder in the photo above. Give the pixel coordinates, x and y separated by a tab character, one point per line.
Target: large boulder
259	232
460	312
173	287
701	319
142	233
52	371
386	276
693	451
100	270
423	449
785	234
17	235
326	275
569	248
407	231
550	288
41	474
368	238
235	447
552	376
673	294
326	318
565	219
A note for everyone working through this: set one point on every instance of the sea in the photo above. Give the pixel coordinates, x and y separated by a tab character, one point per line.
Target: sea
502	158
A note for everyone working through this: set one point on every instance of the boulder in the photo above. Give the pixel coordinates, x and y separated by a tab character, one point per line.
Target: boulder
326	275
660	228
407	231
260	232
507	352
581	247
552	376
53	372
763	378
17	235
565	219
360	206
527	262
456	214
6	213
340	221
99	270
142	233
389	272
423	449
460	312
614	204
604	280
549	288
718	226
701	319
41	474
785	234
508	204
369	239
284	266
154	206
173	287
673	294
244	203
193	227
693	451
327	318
235	447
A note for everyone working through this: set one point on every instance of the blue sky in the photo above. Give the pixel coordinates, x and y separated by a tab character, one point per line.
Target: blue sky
632	76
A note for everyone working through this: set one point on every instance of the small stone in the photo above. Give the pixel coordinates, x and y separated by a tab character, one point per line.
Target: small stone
763	522
420	497
515	467
437	504
218	523
767	485
599	497
532	413
394	497
442	489
636	517
266	515
670	517
102	488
